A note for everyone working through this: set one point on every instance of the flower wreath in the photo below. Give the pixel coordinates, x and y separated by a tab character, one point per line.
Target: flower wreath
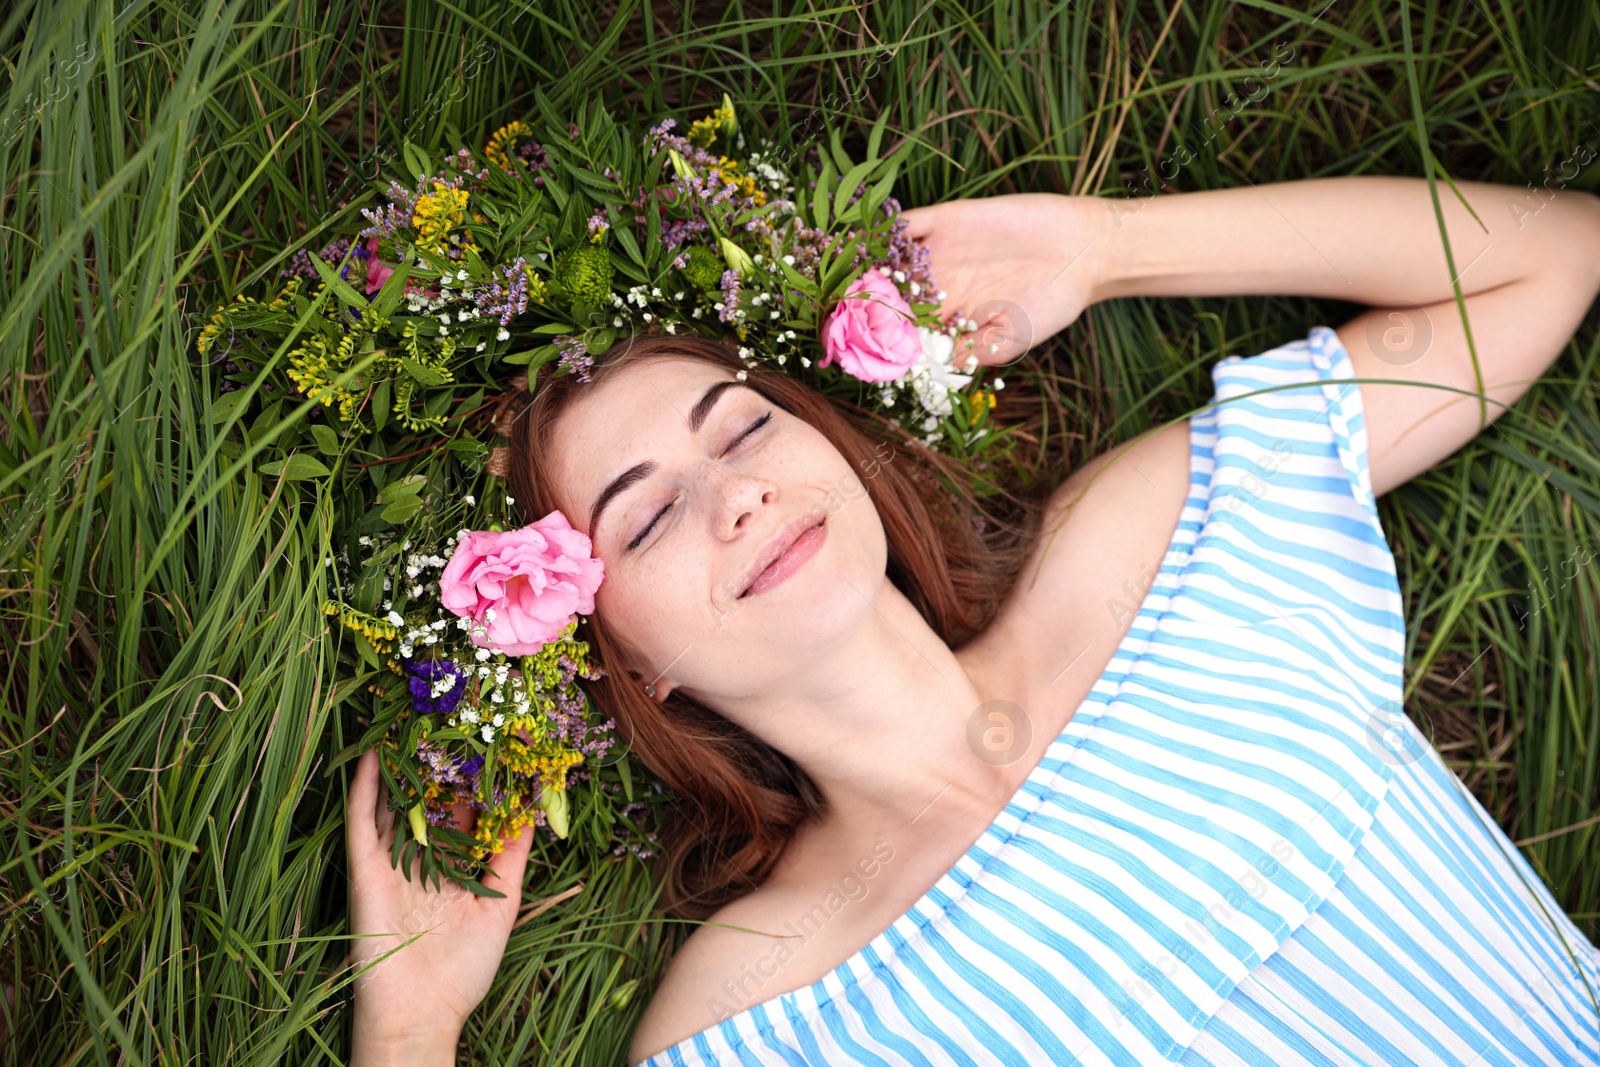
543	250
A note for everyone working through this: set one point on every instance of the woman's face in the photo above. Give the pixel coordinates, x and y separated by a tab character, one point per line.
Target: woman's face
688	516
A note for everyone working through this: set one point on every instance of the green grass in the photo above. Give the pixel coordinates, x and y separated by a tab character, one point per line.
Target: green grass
173	859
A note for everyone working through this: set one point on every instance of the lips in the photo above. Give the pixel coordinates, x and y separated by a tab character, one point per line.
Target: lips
786	537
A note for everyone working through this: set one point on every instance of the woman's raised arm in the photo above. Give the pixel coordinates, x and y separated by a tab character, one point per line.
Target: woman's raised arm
1030	263
1528	274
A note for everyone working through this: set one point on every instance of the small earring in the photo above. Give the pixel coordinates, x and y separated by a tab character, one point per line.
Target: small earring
650	690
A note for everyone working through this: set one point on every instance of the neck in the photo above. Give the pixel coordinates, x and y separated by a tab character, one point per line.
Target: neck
882	722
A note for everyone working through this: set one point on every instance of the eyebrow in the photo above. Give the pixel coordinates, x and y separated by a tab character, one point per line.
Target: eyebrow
640	471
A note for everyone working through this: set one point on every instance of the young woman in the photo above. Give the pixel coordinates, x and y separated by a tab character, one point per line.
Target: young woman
1153	800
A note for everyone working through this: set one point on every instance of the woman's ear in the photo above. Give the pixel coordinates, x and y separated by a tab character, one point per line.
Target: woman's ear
656	690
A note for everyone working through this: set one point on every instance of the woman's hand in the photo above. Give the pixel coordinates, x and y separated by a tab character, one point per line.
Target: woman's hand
1022	266
410	1007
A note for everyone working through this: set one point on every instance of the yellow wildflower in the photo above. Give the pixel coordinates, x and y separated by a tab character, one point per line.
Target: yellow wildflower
503	142
703	132
381	632
981	402
437	213
312	367
728	170
212	328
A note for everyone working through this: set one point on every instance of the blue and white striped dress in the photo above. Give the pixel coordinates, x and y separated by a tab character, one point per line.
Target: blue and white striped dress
1239	850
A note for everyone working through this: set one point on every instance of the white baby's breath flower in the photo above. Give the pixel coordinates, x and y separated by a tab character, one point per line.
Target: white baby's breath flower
482	654
932	377
511	500
396	618
445	318
488	613
471	500
488	732
502	334
499	720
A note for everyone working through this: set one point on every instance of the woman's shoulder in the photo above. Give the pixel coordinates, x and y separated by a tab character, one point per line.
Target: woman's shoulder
1105	532
686	999
784	935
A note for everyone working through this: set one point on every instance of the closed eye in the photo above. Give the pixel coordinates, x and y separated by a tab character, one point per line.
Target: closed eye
639	539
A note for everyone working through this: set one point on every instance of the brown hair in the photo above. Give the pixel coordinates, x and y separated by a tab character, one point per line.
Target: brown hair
737	800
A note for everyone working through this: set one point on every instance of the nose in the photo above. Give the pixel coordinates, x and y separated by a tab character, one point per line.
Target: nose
735	495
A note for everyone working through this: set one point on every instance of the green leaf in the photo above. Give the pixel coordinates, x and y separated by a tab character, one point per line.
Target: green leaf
368	654
223	407
799	281
878	193
393	288
417	161
847	187
840	275
327	440
340	288
296	467
519	358
402	509
624	238
844	161
410	485
470	445
875	138
553	327
421	372
819	196
381	401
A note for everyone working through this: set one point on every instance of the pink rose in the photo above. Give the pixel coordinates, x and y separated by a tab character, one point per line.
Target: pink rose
871	331
535	579
377	273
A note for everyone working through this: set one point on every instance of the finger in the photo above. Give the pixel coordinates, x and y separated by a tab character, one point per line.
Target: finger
505	872
919	220
463	817
384	816
361	837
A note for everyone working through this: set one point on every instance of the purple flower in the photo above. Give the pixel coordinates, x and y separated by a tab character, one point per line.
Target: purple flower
730	296
575	355
424	674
